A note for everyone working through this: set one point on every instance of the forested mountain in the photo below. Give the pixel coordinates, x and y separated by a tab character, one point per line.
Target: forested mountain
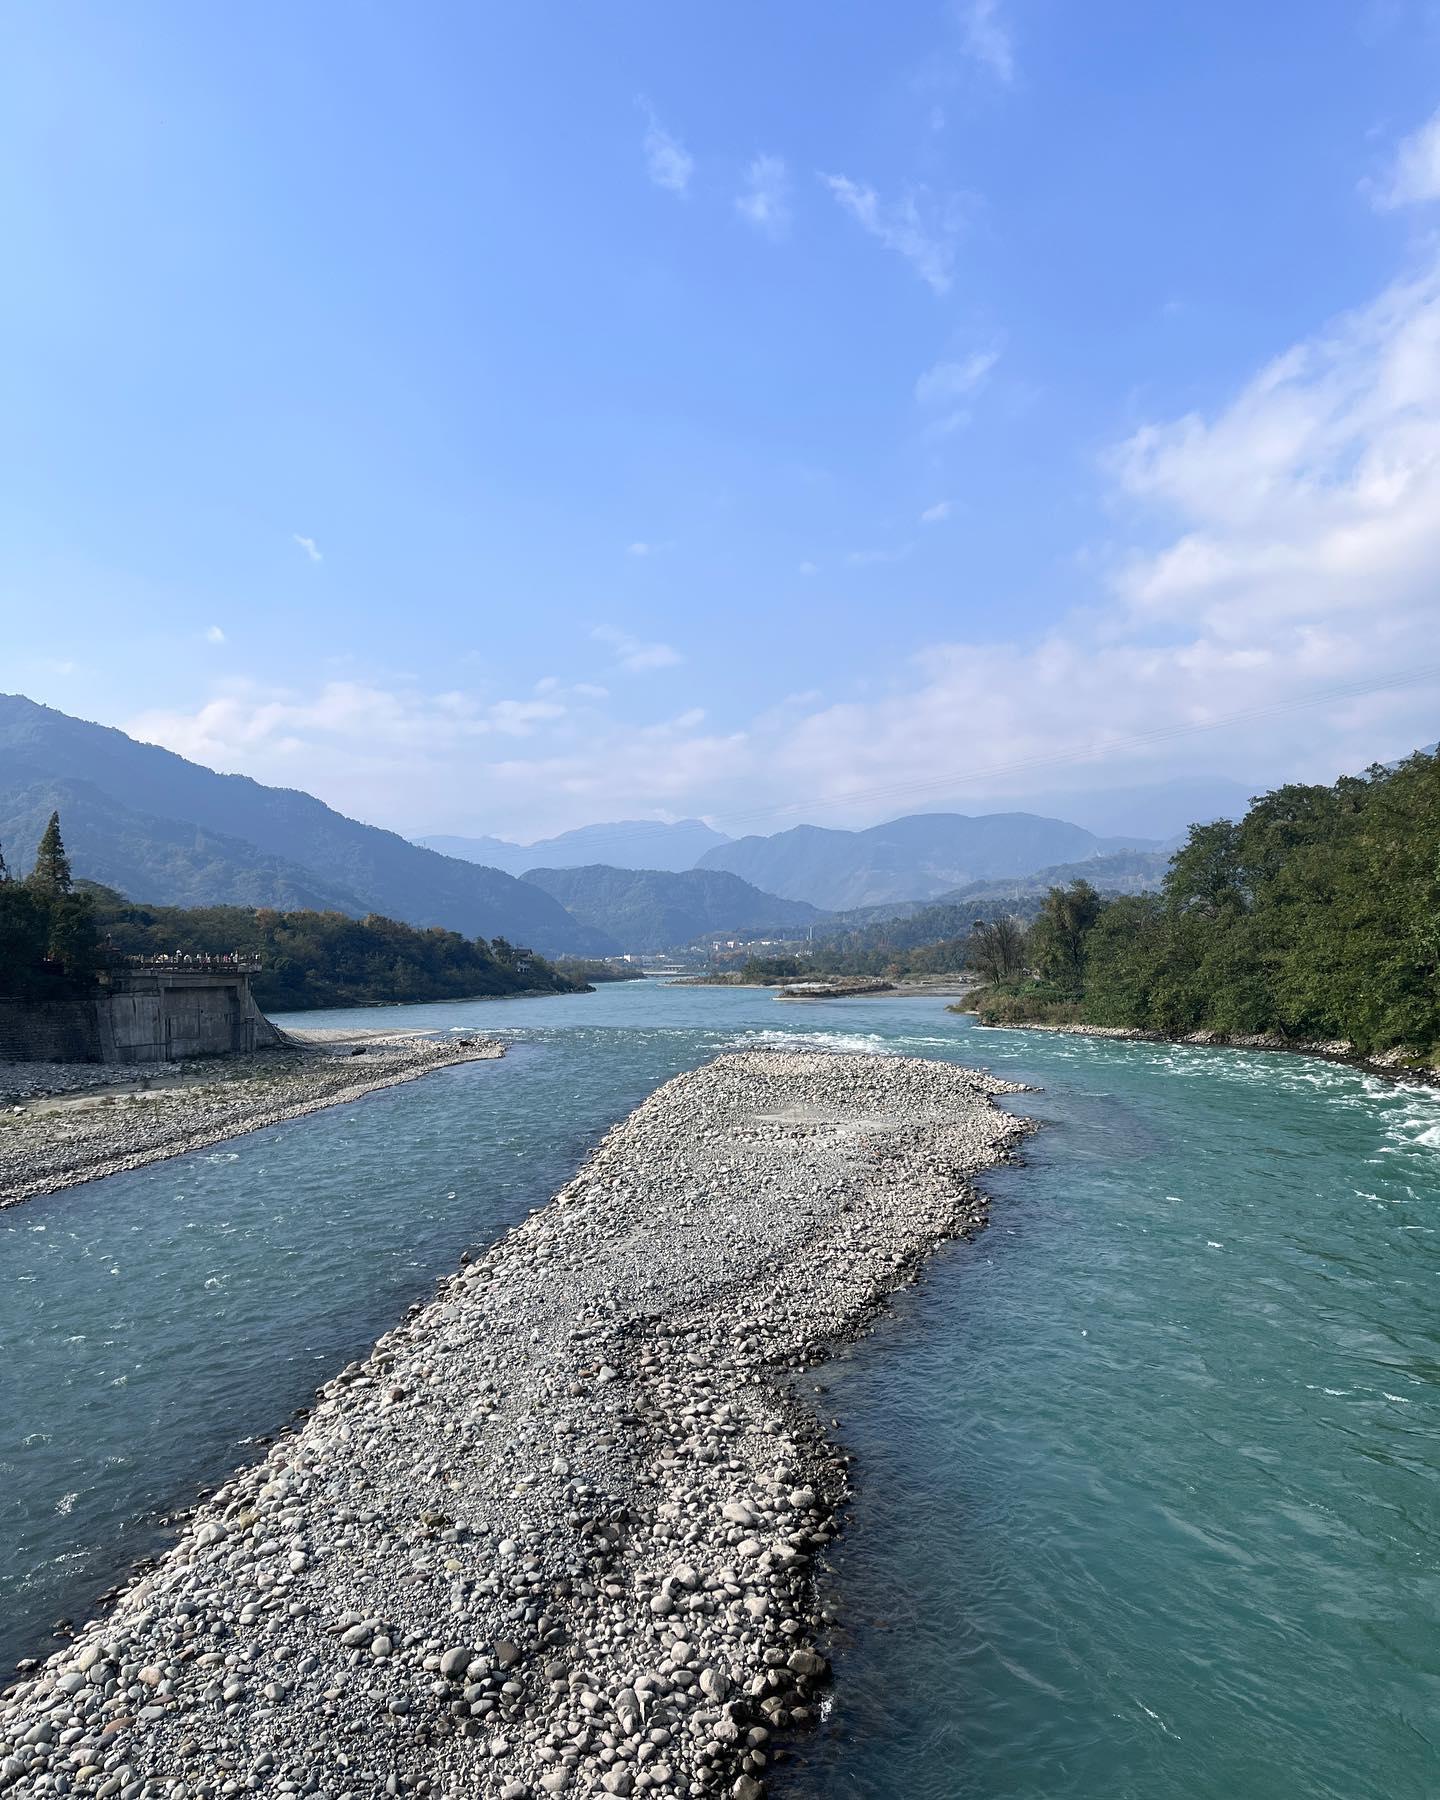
1315	917
167	830
140	854
657	909
915	858
621	844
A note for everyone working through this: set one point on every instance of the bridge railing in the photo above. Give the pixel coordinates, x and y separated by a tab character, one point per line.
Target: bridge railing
182	963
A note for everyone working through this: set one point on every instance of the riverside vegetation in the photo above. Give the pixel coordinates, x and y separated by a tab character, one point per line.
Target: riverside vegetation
557	1533
56	933
1313	919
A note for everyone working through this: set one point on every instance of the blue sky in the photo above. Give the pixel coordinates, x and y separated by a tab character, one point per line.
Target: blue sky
498	418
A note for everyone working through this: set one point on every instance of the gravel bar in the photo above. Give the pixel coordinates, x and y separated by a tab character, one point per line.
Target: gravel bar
558	1533
60	1129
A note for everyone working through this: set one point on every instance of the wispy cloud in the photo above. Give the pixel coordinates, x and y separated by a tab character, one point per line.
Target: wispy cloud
309	546
920	226
214	635
764	201
946	386
987	38
936	514
809	568
945	382
860	558
633	653
1415	175
667	162
643	547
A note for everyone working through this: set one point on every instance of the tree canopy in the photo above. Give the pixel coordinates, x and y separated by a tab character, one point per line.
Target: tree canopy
1316	917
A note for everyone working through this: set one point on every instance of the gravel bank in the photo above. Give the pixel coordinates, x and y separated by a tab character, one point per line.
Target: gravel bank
557	1534
65	1124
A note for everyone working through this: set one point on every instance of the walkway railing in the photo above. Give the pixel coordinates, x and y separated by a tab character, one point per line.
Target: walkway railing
234	963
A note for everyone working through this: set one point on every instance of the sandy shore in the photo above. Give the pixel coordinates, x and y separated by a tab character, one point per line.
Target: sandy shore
64	1124
557	1534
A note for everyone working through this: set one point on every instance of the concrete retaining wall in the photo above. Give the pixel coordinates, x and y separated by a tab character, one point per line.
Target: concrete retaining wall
141	1017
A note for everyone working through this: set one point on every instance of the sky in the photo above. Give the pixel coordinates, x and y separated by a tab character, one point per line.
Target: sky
500	418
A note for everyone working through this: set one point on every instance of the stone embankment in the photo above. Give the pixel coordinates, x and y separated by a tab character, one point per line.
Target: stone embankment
63	1124
557	1535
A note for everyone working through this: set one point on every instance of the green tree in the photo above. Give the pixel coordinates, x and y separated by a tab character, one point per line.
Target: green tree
1059	934
51	874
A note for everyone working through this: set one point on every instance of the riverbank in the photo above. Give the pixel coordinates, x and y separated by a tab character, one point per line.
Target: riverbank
1403	1063
557	1532
68	1123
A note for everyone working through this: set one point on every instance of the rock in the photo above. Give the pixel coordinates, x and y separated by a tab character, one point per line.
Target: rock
578	1557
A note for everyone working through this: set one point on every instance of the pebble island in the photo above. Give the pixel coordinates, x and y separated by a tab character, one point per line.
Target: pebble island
558	1534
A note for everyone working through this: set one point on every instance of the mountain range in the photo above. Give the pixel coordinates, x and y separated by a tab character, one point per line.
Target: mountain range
166	831
622	844
657	909
916	858
161	829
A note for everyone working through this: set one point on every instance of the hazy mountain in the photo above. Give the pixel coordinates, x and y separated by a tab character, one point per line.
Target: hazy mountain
915	858
1119	872
903	926
274	844
623	844
657	909
1160	811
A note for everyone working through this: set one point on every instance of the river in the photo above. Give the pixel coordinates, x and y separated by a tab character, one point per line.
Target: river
1148	1477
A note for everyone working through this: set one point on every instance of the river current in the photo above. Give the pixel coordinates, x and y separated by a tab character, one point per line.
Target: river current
1148	1476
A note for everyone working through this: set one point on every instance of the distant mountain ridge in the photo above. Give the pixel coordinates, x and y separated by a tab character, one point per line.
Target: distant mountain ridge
171	832
916	858
621	844
662	909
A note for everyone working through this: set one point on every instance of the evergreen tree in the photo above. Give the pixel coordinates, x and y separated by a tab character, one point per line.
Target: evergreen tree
51	874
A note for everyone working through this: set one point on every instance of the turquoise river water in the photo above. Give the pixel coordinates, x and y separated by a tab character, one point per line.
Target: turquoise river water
1148	1476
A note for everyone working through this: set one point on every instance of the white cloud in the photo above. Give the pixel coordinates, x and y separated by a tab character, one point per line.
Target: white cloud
667	162
943	383
308	545
809	568
643	548
1285	549
1415	176
987	38
633	654
920	226
764	201
214	635
934	515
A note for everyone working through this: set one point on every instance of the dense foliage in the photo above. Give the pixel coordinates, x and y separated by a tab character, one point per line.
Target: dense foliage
310	959
1316	917
48	938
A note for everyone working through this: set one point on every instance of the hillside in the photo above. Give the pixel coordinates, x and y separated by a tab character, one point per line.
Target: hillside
620	844
145	856
657	909
169	831
310	959
915	858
